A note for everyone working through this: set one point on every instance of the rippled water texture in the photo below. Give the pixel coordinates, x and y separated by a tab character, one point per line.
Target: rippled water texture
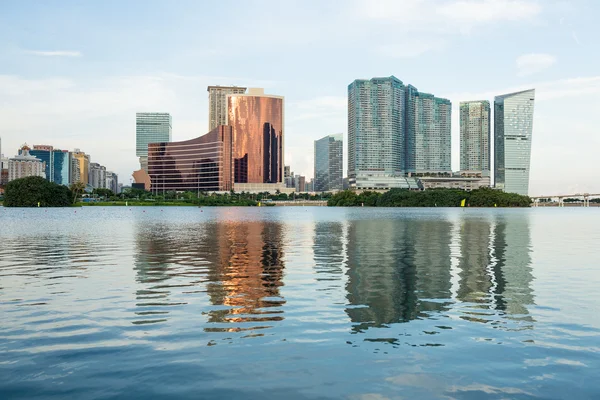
299	303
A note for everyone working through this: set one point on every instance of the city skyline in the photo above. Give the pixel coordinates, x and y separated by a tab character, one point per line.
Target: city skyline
71	90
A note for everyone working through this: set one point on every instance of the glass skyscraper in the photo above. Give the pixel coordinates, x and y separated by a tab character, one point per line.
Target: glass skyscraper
328	163
151	128
475	150
57	163
376	132
217	104
428	133
393	130
258	134
513	127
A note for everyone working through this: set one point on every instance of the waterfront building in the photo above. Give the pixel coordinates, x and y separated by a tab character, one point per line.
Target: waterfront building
84	165
513	128
258	136
328	168
24	165
151	127
300	182
310	186
112	182
428	133
217	104
287	171
57	163
475	139
201	164
376	132
455	181
75	174
97	176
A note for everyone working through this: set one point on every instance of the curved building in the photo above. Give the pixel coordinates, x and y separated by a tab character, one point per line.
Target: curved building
200	164
257	123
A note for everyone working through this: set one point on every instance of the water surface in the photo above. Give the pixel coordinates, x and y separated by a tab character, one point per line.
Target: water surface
299	303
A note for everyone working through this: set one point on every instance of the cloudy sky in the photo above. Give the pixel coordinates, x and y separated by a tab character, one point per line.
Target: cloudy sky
73	73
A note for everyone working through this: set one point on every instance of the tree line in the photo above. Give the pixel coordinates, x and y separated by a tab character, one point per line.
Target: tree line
483	197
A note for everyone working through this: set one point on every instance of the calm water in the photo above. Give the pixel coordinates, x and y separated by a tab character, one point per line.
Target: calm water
299	303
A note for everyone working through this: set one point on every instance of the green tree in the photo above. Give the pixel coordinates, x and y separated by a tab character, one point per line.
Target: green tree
35	191
77	189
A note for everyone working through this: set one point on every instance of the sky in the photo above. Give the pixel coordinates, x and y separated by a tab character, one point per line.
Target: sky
74	73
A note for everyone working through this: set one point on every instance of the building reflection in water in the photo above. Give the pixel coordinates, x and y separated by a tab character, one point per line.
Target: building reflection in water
246	273
400	270
238	264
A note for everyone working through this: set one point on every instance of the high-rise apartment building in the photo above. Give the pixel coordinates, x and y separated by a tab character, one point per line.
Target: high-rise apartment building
112	182
258	134
217	104
84	165
428	133
328	167
513	128
393	130
24	165
97	176
151	127
75	175
376	132
475	150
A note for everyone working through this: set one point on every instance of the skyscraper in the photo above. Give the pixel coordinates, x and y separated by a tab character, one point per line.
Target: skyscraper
97	176
151	128
475	151
394	129
258	135
376	132
84	165
513	127
217	104
328	163
428	133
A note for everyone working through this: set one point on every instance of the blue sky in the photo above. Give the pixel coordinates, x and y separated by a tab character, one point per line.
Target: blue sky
73	73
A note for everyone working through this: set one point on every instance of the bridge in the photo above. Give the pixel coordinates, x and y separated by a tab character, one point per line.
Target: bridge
561	203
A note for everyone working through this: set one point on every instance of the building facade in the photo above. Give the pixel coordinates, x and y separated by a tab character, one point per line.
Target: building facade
75	175
25	165
151	127
201	164
258	138
395	130
328	167
84	165
513	128
112	182
57	162
475	139
428	133
375	132
97	176
217	104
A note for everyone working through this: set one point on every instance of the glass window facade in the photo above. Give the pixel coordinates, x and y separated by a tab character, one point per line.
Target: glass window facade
217	104
513	128
151	128
428	133
200	164
394	129
328	173
475	136
257	126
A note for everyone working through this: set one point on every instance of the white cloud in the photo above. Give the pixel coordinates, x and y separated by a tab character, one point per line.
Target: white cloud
529	64
485	11
455	15
59	53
